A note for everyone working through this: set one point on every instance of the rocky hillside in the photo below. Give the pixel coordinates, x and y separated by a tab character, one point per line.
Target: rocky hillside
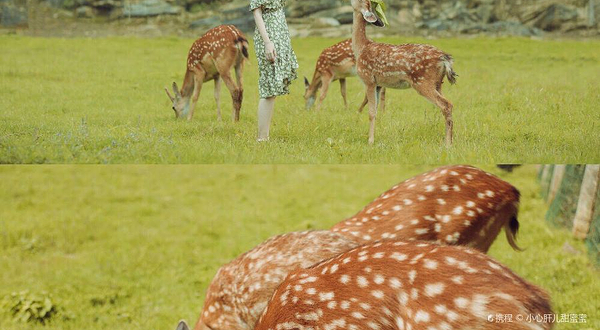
328	17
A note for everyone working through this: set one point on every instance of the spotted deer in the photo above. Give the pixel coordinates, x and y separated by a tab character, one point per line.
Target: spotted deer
335	63
241	289
453	205
211	58
379	65
406	285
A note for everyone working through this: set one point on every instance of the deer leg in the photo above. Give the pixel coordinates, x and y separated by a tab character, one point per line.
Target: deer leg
372	99
364	103
198	80
236	95
343	90
433	94
382	100
326	79
239	77
218	96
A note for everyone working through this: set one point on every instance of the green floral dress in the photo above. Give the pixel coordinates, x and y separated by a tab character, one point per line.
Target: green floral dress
275	78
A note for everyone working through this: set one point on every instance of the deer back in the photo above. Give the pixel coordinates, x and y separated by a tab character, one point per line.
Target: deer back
240	290
405	285
457	205
222	45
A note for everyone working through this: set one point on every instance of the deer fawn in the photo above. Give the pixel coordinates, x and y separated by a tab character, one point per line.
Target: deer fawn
241	289
211	58
421	67
401	285
335	63
455	205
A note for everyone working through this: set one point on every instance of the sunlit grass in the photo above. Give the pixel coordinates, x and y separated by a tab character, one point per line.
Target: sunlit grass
102	101
151	237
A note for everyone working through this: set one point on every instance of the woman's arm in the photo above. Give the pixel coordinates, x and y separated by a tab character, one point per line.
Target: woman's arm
260	25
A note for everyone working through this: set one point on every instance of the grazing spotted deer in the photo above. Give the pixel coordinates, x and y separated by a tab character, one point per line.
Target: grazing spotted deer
335	63
406	285
422	67
454	205
211	58
241	289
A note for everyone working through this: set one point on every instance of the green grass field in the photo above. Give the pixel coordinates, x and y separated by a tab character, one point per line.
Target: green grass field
102	101
136	246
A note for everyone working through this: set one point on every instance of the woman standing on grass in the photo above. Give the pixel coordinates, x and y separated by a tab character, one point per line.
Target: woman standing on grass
277	62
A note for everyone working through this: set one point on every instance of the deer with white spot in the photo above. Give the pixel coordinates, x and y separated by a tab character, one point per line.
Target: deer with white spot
241	289
212	57
335	63
406	285
454	205
422	67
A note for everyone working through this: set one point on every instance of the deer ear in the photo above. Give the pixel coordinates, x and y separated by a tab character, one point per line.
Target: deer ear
306	83
169	94
369	16
182	326
175	89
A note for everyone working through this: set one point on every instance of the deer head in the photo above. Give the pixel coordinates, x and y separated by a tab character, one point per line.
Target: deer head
180	104
366	8
310	94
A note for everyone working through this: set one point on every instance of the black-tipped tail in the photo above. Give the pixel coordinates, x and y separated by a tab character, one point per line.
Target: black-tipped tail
244	46
512	229
450	74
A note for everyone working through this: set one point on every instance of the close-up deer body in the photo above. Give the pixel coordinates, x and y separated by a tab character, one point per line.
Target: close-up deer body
406	285
454	205
379	65
241	289
212	57
336	62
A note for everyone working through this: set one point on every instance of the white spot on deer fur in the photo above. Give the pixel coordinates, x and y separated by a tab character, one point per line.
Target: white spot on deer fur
400	323
441	201
346	260
345	304
470	213
414	222
397	208
452	316
308	280
470	204
365	306
430	264
334	268
429	188
411	276
326	296
357	315
458	210
445	188
446	218
421	198
461	302
379	279
458	279
421	316
399	256
403	298
489	193
478	306
421	231
451	261
480	195
378	255
311	291
414	294
395	283
456	188
362	282
453	173
440	309
377	294
438	227
434	289
399	227
344	279
332	304
407	202
494	266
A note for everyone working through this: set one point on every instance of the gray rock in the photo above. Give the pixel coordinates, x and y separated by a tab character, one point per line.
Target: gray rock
307	7
150	8
84	12
555	16
504	28
342	14
325	22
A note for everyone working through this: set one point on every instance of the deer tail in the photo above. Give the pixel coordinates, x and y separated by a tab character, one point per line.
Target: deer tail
511	228
447	61
243	46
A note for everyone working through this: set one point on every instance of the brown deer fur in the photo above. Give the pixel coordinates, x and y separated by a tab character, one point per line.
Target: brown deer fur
421	67
336	62
405	285
211	58
240	290
455	205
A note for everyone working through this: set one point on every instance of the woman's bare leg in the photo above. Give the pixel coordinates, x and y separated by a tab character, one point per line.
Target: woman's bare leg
265	114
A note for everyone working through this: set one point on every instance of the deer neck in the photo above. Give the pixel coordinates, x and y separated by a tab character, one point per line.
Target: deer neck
359	33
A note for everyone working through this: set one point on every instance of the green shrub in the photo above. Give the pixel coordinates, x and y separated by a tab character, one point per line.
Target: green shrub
27	307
